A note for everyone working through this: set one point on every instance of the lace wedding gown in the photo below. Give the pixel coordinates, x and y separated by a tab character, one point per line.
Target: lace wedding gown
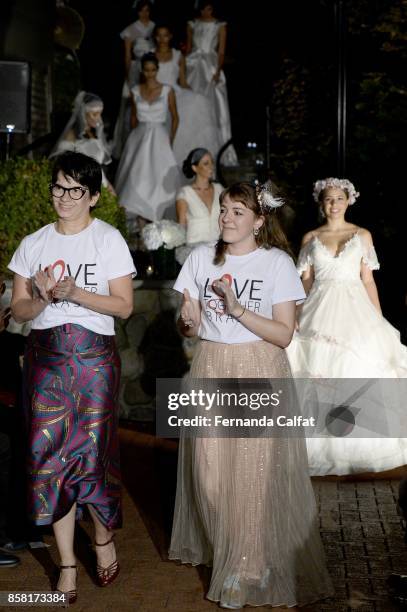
342	335
202	64
197	122
148	177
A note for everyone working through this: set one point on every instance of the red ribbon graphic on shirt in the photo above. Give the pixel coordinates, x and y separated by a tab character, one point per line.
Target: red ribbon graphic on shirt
61	263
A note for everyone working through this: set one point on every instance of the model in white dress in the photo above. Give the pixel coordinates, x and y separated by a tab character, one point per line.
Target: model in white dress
197	124
205	77
84	132
202	222
138	40
197	204
342	334
148	177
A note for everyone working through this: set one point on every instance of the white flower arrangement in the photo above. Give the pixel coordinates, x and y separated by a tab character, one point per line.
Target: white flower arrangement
166	233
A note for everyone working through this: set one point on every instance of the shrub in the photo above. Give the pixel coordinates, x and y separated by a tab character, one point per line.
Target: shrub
25	204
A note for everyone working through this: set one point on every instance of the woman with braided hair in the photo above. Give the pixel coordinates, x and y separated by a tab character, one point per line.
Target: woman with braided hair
245	506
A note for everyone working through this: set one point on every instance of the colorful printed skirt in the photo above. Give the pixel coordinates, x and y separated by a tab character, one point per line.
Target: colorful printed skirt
71	379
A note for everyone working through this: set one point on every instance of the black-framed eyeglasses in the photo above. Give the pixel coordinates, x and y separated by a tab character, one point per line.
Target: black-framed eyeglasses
75	193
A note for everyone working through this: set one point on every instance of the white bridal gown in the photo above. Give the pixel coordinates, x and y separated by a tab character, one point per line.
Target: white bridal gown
202	64
342	335
197	122
141	36
148	177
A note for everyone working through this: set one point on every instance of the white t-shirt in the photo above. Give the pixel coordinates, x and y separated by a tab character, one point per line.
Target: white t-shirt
259	280
94	256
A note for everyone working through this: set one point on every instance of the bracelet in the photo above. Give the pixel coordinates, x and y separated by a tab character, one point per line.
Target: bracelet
241	314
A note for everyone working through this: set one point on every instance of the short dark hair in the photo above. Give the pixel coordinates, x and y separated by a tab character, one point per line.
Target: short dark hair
82	168
202	4
141	4
149	57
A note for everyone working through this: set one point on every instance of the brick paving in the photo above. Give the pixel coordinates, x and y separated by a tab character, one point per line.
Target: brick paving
361	530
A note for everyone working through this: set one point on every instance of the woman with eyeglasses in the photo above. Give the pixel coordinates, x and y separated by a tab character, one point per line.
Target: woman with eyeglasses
71	278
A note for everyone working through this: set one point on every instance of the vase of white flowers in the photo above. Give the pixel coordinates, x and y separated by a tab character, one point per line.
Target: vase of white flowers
161	238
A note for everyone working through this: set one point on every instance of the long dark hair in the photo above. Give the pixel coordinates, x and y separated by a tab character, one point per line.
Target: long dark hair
271	233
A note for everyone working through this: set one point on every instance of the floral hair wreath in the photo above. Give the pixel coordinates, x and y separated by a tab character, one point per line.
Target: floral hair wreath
267	201
340	184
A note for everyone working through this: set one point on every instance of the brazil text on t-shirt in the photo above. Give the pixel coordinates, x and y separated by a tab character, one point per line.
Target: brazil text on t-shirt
259	279
93	256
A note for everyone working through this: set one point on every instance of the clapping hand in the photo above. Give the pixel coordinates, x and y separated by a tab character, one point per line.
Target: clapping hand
222	288
188	314
45	282
64	290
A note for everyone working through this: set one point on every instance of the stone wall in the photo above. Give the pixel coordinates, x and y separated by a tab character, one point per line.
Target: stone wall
150	347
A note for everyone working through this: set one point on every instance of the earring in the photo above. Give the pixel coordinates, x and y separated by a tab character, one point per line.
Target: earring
256	231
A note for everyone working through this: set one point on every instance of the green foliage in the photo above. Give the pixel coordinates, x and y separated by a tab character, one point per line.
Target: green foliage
303	118
379	110
25	204
301	138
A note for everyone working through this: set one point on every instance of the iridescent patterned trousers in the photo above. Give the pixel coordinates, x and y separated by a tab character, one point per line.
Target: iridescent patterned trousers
71	382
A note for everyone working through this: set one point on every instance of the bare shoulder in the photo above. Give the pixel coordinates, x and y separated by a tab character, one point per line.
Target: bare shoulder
308	237
365	234
363	231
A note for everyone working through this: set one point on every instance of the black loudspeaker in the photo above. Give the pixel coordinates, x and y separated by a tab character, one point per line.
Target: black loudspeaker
15	96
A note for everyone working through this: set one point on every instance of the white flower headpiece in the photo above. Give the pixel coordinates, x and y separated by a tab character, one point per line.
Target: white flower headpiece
338	183
267	201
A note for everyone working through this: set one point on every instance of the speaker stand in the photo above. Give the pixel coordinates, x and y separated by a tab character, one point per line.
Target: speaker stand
10	130
8	142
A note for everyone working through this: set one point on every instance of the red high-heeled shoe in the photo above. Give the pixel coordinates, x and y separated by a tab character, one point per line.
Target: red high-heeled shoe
72	595
106	575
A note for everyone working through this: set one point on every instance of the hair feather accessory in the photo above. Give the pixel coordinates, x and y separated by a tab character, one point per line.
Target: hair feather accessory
267	201
337	183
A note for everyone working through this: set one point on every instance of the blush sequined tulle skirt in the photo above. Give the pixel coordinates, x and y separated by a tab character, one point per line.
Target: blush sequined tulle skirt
71	380
246	507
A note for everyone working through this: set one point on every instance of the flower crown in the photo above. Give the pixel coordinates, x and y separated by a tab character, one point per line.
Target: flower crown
267	201
335	182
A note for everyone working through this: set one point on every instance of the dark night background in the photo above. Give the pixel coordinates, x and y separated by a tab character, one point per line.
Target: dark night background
283	54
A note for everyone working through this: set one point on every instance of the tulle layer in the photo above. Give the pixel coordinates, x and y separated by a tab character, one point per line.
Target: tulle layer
246	507
342	335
